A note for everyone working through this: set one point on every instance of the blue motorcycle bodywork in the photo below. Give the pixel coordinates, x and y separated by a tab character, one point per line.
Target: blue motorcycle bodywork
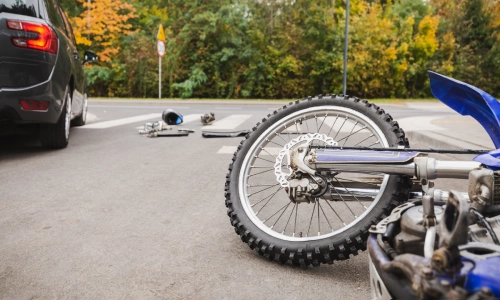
468	100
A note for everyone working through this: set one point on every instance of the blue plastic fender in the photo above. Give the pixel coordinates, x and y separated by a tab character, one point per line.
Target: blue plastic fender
468	100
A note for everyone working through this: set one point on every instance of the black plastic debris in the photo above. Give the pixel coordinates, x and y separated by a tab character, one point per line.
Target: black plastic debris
219	134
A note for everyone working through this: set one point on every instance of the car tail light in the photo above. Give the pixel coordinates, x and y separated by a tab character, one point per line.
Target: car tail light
43	39
34	105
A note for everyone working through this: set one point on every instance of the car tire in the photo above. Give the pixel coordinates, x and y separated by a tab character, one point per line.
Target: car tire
82	118
56	136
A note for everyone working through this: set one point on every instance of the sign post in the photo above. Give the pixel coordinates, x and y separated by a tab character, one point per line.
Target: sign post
160	47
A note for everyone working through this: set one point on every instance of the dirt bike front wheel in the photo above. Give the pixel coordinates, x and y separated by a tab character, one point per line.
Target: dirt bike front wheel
331	227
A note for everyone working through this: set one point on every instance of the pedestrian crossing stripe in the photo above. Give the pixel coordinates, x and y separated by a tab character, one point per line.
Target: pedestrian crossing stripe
228	123
130	120
270	151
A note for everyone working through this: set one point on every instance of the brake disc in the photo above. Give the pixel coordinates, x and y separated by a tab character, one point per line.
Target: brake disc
281	176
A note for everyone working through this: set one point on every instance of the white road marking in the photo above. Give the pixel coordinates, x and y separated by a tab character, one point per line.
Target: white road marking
227	150
268	151
136	106
432	106
118	122
124	121
91	117
420	123
230	122
191	118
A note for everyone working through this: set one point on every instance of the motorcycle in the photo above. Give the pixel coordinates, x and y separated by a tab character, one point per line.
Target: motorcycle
313	179
445	248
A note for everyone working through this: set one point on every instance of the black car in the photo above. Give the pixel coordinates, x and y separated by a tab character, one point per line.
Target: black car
41	73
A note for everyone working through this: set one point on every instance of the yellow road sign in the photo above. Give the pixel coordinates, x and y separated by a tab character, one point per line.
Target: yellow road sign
161	34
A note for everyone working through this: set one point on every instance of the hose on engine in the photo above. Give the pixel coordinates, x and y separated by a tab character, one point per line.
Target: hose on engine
386	247
486	224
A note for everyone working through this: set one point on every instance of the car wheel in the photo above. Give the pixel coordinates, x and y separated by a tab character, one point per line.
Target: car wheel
81	119
56	136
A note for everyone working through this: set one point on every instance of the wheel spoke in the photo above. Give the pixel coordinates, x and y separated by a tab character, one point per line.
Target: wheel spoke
270	198
271	195
345	120
295	226
250	195
335	212
285	207
294	207
352	133
262	148
273	162
324	214
364	140
281	214
278	134
346	203
319	226
287	133
275	143
260	172
349	192
326	115
310	222
334	122
307	125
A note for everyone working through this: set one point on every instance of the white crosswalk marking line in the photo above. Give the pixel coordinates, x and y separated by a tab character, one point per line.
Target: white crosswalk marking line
124	121
113	123
230	122
191	118
227	150
269	151
421	123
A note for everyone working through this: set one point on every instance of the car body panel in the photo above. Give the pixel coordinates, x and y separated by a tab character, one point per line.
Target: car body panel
29	74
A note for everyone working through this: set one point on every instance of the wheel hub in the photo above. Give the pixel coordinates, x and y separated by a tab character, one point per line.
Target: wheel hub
299	180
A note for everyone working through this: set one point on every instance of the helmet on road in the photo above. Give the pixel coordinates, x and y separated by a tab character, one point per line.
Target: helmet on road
171	117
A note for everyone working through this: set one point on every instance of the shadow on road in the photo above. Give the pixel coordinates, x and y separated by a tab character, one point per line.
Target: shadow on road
16	146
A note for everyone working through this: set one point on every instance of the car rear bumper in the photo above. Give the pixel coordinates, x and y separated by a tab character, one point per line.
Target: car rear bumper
11	111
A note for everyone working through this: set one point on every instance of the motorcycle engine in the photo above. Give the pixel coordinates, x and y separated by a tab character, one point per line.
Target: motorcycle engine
464	254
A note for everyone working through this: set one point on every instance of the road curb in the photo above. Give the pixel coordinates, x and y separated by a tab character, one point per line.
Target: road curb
435	140
202	102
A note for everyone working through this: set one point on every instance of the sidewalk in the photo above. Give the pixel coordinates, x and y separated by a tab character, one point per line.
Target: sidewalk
448	130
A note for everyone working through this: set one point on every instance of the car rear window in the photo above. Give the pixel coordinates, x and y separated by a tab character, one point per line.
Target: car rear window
21	7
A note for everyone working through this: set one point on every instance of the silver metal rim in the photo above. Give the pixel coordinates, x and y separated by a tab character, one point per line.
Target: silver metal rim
260	143
67	122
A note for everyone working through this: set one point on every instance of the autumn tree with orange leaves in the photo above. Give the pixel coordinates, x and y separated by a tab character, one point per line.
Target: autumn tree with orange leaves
286	49
108	25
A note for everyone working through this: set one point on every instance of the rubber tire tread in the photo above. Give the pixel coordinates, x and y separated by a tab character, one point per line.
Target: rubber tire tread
338	247
53	136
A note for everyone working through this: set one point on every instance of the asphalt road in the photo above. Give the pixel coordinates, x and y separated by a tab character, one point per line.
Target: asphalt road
120	216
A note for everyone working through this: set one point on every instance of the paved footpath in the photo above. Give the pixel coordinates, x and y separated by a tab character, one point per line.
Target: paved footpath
448	130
